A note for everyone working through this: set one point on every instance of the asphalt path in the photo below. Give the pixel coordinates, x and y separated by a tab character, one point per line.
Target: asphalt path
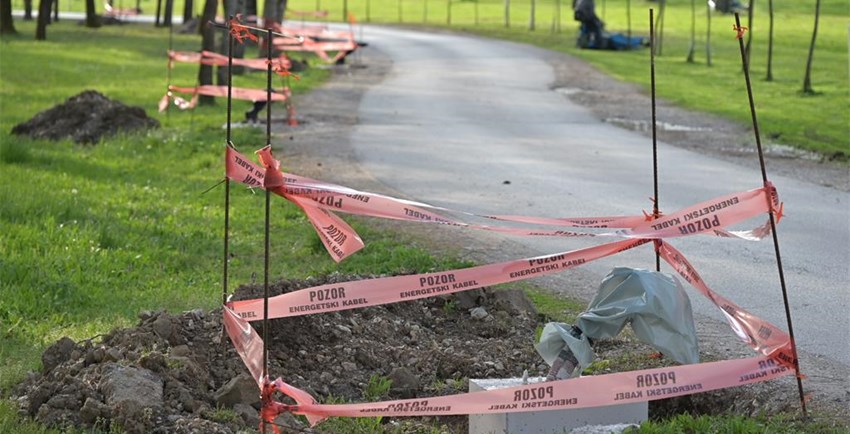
459	116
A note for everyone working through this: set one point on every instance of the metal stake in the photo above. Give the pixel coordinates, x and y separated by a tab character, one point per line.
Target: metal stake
746	62
655	212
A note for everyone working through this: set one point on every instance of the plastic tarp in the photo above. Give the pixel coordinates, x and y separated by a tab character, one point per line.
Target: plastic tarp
655	304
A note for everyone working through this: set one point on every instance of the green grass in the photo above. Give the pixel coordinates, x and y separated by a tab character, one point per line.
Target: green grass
776	424
91	235
816	122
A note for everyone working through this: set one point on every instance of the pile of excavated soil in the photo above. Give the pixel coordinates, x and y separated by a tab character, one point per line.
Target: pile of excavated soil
175	373
86	118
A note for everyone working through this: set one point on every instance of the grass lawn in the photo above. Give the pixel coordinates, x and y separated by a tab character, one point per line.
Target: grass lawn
92	235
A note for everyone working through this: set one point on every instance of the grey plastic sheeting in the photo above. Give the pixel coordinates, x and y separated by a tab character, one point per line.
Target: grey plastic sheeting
654	303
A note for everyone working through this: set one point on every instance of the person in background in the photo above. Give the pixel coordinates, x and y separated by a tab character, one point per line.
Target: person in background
591	25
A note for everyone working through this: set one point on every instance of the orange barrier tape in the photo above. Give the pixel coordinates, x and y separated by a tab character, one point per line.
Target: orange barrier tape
711	217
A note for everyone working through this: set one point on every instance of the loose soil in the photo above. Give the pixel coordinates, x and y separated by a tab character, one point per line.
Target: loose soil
186	372
86	118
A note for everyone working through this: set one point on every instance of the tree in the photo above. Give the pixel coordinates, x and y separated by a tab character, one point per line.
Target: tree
708	34
189	10
531	23
807	82
7	24
693	31
205	72
750	7
770	43
169	11
92	19
27	10
232	8
43	19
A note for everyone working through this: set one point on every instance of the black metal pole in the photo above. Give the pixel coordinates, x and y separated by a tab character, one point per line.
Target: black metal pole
654	135
746	62
227	180
268	212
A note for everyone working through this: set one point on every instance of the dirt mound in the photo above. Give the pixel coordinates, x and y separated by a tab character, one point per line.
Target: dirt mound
180	374
175	373
85	118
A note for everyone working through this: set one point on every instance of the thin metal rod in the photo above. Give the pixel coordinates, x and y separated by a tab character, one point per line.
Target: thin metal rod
224	265
654	135
229	82
268	207
745	62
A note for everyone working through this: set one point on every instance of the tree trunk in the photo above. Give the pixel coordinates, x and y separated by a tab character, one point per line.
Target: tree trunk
629	19
159	11
507	13
807	82
707	34
400	11
189	11
770	42
659	36
56	10
231	9
43	20
531	23
205	72
7	24
27	10
693	31
169	11
750	6
92	19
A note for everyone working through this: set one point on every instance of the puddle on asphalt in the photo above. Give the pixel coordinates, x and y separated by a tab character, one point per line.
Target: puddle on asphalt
568	90
637	125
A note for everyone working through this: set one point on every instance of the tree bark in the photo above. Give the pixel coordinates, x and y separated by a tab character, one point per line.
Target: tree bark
708	34
807	81
27	10
750	7
205	72
507	13
169	11
56	10
231	9
7	24
43	20
531	23
690	58
92	19
770	42
159	11
188	11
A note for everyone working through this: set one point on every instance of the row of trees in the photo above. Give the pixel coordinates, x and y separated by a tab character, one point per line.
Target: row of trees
274	11
807	81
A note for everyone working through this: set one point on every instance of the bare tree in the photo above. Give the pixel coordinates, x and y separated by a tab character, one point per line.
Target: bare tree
707	34
7	24
205	72
770	43
27	10
43	20
189	10
750	7
693	31
92	19
807	82
232	8
169	11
